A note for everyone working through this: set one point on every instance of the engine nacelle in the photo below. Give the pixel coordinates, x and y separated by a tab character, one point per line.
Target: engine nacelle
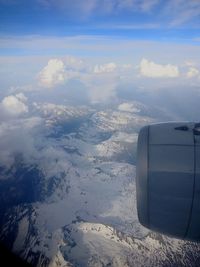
168	179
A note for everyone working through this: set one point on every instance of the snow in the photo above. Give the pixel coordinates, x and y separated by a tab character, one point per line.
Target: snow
87	214
21	235
115	144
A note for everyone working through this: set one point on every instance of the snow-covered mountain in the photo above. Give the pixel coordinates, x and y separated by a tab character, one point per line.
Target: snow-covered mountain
72	203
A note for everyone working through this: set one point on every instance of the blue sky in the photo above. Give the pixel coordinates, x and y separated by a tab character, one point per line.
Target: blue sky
175	20
148	44
163	21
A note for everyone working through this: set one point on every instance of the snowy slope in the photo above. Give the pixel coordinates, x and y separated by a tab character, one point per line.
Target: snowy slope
82	210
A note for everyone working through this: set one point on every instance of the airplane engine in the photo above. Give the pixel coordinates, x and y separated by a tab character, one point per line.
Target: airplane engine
168	179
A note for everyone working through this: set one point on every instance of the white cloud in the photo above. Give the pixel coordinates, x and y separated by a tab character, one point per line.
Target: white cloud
58	71
53	74
101	93
189	63
14	104
98	46
74	63
126	66
153	70
25	137
21	97
192	72
18	136
128	107
105	68
100	86
99	81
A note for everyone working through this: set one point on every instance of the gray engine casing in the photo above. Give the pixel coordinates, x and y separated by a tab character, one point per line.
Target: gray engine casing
168	179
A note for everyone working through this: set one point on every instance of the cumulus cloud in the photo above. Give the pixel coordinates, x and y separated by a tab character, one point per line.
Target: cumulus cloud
58	71
53	74
192	72
190	63
154	70
14	105
105	68
99	81
102	82
74	63
128	107
126	66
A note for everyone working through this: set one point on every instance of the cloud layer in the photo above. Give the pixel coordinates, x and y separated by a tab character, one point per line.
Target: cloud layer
105	68
193	72
153	70
100	81
14	105
53	74
97	79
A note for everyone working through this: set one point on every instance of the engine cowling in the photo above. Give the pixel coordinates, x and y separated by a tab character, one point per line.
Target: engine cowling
168	179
